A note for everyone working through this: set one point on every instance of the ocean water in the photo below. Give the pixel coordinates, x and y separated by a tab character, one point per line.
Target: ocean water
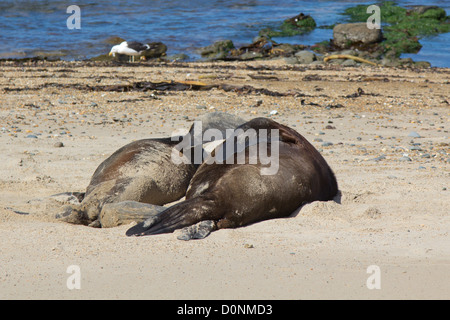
29	28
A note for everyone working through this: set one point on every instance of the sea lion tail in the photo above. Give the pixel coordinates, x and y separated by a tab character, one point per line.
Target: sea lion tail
183	214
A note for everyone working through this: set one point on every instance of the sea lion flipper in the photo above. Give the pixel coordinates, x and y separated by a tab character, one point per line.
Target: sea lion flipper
183	214
142	228
197	231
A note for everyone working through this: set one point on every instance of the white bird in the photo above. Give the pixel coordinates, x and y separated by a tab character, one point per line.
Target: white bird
131	48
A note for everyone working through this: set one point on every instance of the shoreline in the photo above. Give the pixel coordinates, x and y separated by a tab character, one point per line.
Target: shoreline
380	37
387	143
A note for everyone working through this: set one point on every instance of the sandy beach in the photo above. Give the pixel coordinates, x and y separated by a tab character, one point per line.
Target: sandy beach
384	132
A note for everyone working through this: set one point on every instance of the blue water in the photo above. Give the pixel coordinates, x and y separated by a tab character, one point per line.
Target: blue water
29	27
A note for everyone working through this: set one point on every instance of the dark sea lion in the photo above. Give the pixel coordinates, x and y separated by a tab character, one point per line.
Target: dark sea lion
143	171
230	195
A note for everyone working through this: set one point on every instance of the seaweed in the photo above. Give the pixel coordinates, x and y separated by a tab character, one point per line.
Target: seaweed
144	86
403	28
390	13
300	24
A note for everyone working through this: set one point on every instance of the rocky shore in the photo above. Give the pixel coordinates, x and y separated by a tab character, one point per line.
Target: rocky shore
353	42
400	33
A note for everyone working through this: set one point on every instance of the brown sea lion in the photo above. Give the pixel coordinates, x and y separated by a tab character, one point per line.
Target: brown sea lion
143	171
139	171
230	195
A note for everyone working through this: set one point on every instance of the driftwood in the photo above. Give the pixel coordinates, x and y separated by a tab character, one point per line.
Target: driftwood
346	56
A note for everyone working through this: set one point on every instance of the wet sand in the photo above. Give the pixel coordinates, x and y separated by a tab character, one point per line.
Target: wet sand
392	211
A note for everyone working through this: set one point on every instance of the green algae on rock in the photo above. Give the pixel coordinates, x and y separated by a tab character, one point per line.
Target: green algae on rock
404	27
299	24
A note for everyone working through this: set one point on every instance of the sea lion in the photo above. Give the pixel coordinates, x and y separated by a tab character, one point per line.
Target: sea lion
143	171
140	171
230	195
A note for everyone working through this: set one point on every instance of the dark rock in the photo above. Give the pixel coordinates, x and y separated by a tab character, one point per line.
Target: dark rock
305	57
291	60
422	64
406	61
250	56
285	49
390	62
157	49
218	50
261	47
349	63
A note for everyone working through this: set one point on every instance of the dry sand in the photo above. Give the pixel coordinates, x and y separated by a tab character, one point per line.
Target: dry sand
392	212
